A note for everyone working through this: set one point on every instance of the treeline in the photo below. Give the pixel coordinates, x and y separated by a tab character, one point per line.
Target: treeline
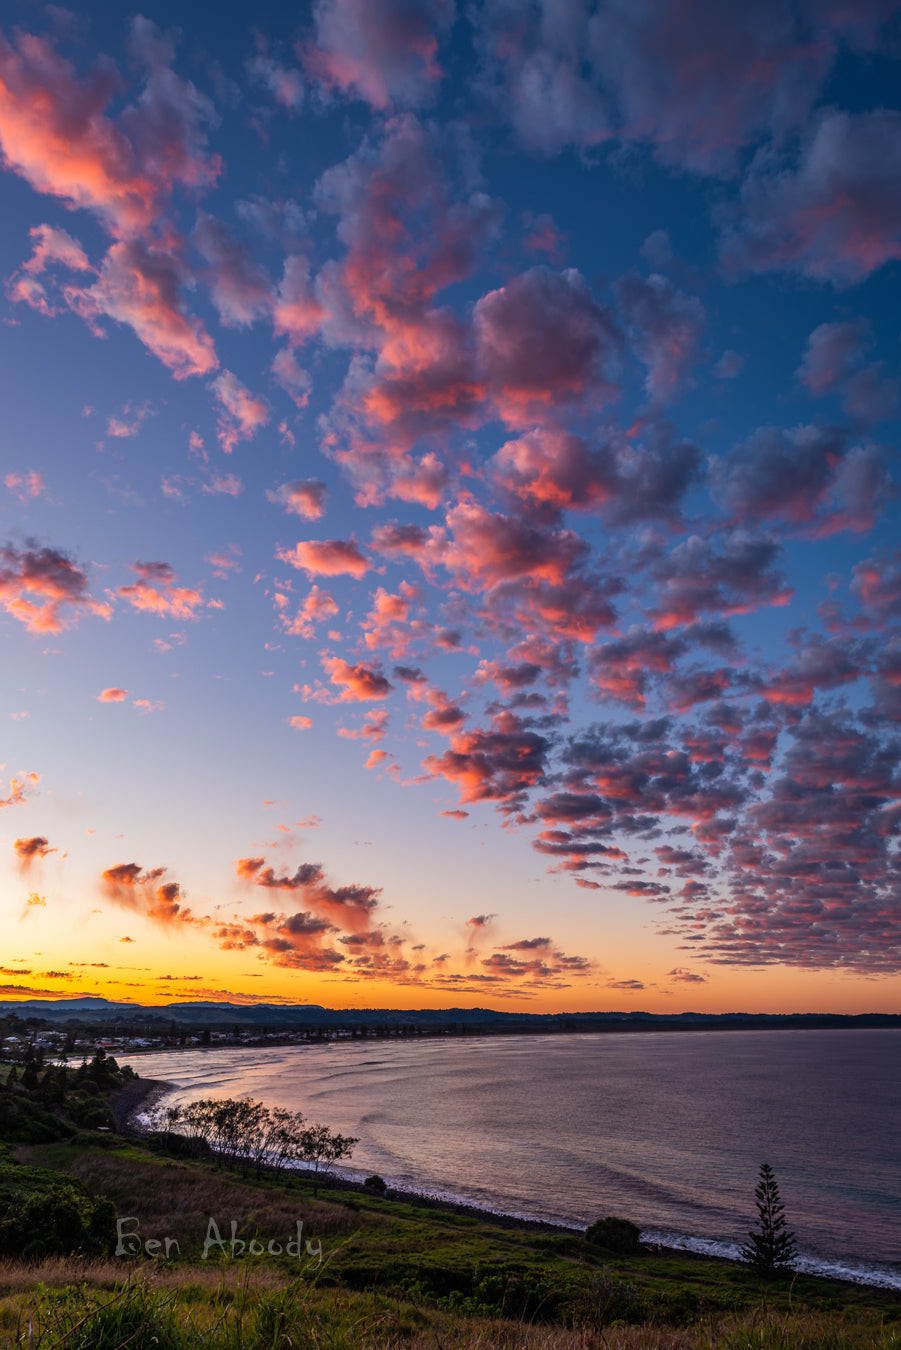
41	1103
245	1134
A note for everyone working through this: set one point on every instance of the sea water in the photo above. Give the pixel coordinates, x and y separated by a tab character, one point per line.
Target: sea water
667	1129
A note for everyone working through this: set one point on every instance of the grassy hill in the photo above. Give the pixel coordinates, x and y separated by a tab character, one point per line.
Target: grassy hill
361	1270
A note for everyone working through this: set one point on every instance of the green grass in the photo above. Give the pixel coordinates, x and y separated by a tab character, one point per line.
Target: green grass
391	1275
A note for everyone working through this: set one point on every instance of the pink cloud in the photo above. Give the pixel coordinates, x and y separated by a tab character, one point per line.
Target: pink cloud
294	381
45	590
305	498
382	51
317	607
542	340
358	683
140	285
155	592
326	558
243	413
26	485
112	695
240	289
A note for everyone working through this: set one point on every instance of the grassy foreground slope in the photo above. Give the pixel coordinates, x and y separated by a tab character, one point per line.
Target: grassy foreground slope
377	1273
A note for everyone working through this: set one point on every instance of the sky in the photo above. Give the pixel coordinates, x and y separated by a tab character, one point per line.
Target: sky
449	547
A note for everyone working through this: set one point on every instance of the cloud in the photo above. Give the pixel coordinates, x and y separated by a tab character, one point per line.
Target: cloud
155	592
294	381
698	577
358	683
818	665
349	907
20	789
29	849
45	589
696	82
683	976
140	285
146	893
665	327
112	695
300	723
808	477
541	341
25	486
55	134
305	497
316	608
326	557
832	214
876	586
297	315
243	413
225	561
381	51
240	289
552	470
498	763
835	362
52	245
283	82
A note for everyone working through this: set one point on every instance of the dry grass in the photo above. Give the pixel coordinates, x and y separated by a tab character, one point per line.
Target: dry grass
240	1306
183	1198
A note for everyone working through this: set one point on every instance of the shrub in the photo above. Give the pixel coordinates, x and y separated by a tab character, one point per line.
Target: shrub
615	1235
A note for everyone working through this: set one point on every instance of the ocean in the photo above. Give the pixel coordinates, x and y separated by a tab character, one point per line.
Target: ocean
667	1129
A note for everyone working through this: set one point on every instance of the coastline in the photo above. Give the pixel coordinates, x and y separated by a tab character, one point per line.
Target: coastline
137	1097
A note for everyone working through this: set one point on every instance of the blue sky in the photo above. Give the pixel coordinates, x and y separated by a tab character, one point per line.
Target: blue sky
448	503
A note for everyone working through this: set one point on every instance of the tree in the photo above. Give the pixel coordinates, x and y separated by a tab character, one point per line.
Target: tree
772	1249
320	1148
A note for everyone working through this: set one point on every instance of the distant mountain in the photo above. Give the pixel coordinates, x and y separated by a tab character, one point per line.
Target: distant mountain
93	1009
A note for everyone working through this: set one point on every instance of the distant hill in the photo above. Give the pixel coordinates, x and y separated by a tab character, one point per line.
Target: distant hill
93	1009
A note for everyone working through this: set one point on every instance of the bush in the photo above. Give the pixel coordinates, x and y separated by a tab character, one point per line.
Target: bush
42	1213
178	1145
375	1184
615	1235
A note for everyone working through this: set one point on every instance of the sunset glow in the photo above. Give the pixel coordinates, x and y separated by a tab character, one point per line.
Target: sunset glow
449	517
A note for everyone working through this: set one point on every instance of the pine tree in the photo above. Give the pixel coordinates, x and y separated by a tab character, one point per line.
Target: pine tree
772	1249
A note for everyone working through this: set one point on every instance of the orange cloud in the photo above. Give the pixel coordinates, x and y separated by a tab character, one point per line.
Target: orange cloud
351	907
28	850
304	498
357	683
163	597
146	893
140	285
317	607
326	557
19	789
54	579
112	695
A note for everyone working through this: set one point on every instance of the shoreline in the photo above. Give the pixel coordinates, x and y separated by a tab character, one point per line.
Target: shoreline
137	1097
133	1099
